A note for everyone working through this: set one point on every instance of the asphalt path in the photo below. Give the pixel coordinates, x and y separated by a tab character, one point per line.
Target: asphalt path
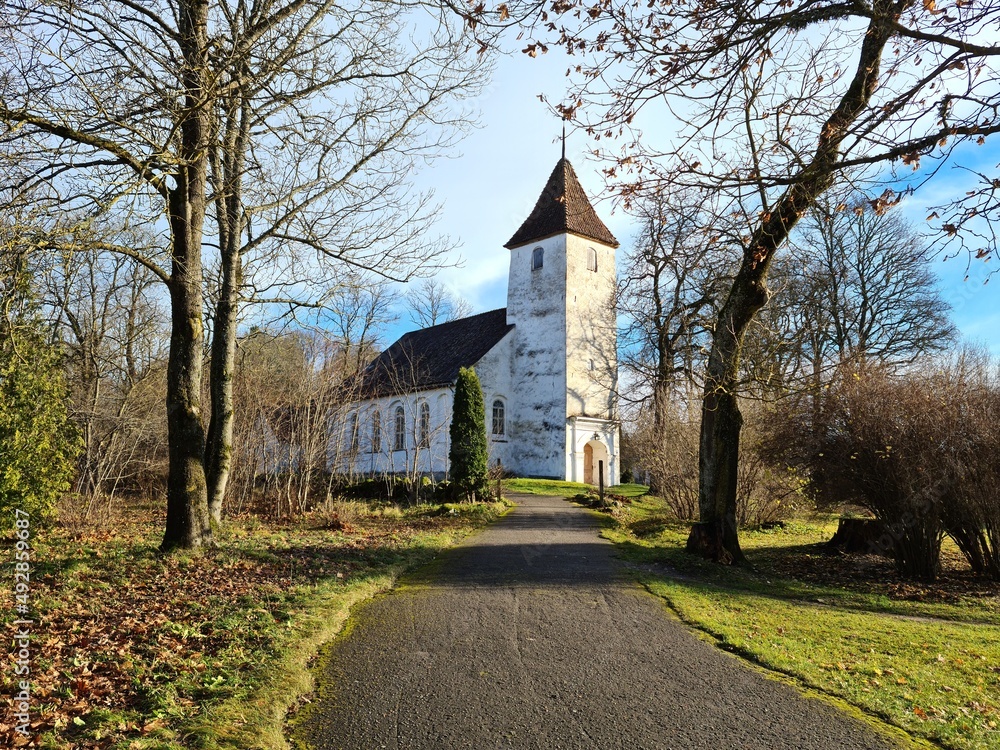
533	635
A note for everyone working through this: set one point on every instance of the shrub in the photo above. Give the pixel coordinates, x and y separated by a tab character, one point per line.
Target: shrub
38	442
766	490
444	492
468	454
918	451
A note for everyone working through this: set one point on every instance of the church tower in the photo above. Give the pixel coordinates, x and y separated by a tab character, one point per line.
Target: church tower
564	366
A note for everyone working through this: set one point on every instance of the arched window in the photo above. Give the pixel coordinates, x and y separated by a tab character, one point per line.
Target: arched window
424	428
591	259
499	419
354	431
376	432
537	258
399	443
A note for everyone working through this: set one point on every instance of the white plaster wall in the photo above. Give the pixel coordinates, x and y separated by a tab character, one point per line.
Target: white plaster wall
495	376
591	335
414	459
536	305
564	356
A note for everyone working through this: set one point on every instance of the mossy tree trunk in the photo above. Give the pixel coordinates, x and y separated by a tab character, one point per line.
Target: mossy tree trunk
188	523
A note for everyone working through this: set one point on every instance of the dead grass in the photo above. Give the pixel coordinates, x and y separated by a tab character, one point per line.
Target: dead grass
134	649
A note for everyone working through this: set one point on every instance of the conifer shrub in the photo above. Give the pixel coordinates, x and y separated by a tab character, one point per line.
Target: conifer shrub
468	455
38	442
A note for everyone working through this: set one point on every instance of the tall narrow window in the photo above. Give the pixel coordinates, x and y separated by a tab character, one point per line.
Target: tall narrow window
399	443
377	432
499	419
354	431
591	259
424	428
537	258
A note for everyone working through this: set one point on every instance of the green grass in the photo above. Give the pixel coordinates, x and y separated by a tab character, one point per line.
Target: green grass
567	489
629	490
544	487
934	680
927	666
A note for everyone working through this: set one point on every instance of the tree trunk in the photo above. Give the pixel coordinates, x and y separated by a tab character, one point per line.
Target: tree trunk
661	408
858	535
219	449
228	174
188	525
715	536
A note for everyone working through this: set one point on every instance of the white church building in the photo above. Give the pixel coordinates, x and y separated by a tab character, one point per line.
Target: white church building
547	362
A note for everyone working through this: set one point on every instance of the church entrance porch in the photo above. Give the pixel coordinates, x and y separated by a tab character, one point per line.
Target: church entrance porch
595	460
590	442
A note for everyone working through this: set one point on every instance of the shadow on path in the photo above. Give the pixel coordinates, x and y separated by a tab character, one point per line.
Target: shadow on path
531	635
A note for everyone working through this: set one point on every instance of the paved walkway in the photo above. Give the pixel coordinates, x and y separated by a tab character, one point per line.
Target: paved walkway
531	635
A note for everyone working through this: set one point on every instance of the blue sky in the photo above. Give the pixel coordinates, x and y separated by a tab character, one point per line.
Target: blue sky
489	185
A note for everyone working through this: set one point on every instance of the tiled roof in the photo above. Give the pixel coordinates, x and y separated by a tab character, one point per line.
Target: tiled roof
431	357
562	207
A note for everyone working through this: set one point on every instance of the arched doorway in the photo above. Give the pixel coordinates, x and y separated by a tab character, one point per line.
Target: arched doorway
595	454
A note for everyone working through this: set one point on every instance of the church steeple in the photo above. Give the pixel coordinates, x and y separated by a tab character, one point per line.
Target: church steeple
562	207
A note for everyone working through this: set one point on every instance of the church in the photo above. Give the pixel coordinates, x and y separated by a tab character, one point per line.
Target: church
547	362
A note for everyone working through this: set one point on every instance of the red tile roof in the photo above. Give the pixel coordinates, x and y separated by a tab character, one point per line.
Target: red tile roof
562	207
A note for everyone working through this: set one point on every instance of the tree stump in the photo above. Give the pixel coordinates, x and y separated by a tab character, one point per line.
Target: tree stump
858	535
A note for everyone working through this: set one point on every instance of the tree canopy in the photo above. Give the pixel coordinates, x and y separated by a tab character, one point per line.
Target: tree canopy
772	104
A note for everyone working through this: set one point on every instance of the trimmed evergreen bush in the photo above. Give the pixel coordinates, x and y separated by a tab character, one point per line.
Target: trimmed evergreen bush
468	455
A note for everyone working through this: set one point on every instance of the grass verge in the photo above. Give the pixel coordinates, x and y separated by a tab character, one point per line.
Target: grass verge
133	649
924	659
566	489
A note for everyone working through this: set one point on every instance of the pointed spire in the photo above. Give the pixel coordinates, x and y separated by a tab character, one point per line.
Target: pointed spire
562	207
564	139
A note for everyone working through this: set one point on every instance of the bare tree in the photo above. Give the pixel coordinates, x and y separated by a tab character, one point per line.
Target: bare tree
357	315
668	292
875	295
669	289
109	322
119	110
103	107
855	285
772	104
290	387
430	302
321	119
